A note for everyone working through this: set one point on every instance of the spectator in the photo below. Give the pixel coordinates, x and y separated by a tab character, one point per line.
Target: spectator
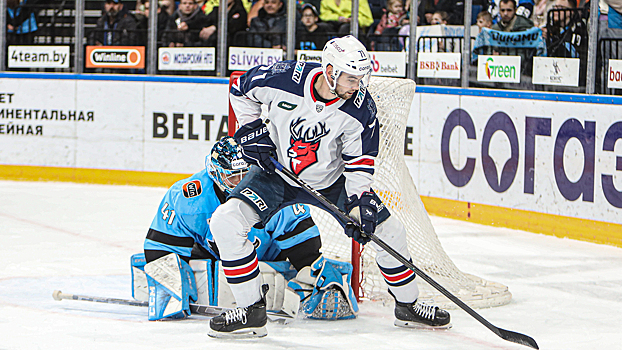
393	17
236	22
509	21
270	19
484	20
311	35
21	22
540	12
117	26
440	17
254	10
167	6
142	17
184	26
338	14
568	32
614	16
427	8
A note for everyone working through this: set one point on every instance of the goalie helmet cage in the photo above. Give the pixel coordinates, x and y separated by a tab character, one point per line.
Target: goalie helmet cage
395	186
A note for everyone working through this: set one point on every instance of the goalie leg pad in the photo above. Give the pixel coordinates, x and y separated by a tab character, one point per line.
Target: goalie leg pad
171	287
325	290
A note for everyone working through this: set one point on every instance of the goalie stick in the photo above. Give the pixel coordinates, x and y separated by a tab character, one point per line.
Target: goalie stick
203	310
515	337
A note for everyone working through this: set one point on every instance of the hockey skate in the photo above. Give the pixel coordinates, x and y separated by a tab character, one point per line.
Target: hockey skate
420	315
242	322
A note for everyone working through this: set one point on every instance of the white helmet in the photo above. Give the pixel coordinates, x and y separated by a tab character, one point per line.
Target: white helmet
346	55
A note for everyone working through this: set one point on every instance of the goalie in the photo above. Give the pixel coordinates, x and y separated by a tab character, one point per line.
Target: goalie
181	232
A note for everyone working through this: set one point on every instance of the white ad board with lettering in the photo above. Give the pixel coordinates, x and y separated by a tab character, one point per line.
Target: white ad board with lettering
38	56
536	154
556	71
309	56
500	69
245	58
438	65
614	74
111	124
187	58
544	156
388	64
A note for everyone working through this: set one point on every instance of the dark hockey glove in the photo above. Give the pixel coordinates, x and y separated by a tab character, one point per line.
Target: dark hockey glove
256	144
365	210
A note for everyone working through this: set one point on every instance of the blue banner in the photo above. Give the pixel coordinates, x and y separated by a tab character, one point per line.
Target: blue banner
531	38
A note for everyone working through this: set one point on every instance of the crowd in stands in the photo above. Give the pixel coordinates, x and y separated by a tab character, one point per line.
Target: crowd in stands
263	23
562	24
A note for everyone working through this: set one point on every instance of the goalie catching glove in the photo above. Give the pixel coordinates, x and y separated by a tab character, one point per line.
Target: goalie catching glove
325	291
365	210
257	147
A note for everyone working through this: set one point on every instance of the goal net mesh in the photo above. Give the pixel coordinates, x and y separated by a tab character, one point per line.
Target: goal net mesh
393	183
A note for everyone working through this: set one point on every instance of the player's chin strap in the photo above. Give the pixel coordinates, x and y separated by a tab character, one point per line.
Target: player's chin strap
502	333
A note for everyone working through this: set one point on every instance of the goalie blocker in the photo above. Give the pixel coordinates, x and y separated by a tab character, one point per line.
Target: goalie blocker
320	291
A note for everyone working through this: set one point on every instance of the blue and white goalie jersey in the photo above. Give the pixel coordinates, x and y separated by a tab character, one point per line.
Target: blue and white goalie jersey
187	207
317	141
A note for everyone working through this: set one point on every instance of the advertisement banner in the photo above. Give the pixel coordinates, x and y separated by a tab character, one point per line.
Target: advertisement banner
187	58
245	58
501	69
438	65
38	56
556	71
388	64
309	56
615	74
115	57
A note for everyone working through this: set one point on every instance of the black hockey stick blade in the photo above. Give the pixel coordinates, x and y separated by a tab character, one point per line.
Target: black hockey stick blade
504	334
203	310
518	338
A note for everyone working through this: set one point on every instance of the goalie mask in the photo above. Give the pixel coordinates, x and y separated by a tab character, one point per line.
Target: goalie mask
351	63
225	165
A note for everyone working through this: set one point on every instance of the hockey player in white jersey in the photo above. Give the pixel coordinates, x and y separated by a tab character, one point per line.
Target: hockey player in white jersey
323	127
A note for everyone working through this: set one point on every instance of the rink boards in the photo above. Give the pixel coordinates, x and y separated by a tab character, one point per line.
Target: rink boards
540	162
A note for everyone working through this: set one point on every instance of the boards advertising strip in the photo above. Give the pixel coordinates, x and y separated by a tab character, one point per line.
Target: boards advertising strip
528	163
124	57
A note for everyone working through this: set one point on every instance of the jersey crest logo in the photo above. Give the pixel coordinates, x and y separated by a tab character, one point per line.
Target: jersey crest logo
192	188
319	107
304	144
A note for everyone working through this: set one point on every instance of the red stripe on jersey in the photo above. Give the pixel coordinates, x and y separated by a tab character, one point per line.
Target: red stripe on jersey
241	271
363	161
397	278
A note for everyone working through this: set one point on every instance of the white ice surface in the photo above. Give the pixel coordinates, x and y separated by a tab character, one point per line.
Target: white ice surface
79	238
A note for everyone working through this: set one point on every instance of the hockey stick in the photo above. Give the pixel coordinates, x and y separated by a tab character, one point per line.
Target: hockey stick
504	334
203	310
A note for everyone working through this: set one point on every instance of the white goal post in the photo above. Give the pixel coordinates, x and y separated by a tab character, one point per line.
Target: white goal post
394	184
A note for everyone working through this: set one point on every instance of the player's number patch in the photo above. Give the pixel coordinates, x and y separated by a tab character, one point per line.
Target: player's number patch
167	214
299	209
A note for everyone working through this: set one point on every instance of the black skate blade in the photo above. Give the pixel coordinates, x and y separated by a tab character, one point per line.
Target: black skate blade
417	325
240	333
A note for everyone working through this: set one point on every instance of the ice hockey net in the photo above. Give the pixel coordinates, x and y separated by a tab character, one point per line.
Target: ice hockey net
393	183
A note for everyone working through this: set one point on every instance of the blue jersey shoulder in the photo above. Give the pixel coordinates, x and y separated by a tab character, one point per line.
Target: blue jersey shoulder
194	195
288	76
